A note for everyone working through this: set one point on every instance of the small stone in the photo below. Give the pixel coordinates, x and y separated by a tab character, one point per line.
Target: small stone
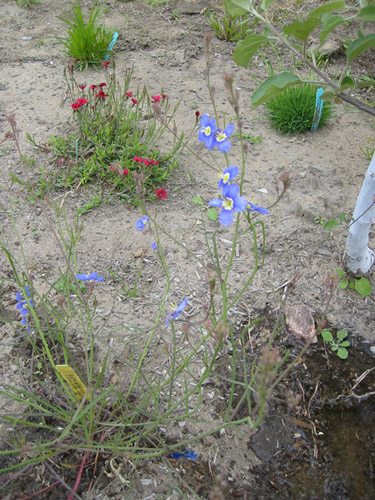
300	323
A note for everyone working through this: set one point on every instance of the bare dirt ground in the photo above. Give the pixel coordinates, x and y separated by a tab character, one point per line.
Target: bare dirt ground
165	47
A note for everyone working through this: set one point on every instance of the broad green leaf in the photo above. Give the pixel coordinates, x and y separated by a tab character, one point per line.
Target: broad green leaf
265	4
198	200
233	9
329	24
366	83
328	96
341	216
302	29
273	86
212	214
341	334
327	8
344	282
247	48
243	4
359	46
346	343
363	286
342	353
367	13
330	224
327	336
347	83
340	273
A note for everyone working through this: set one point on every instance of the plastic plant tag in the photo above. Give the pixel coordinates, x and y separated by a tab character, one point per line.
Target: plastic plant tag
111	45
318	109
75	383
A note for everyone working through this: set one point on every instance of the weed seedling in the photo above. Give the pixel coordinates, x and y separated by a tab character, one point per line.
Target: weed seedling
360	285
338	345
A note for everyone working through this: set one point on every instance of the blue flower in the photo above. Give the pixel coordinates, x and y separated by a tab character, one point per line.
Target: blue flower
178	310
229	204
89	277
22	306
141	223
221	137
228	175
254	208
154	246
207	132
191	455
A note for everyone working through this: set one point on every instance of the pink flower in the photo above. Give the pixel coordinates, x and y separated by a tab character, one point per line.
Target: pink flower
81	101
161	193
156	98
164	96
101	94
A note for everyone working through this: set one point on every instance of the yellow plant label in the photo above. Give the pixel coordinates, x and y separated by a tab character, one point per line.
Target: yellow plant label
74	382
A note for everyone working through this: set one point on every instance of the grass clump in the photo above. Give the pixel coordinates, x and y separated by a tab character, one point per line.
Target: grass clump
87	43
112	142
292	112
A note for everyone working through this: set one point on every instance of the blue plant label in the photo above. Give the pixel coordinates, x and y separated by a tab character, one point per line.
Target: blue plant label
111	45
318	109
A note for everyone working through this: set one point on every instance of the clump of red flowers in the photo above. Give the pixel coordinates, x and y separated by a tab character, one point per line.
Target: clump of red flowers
157	98
161	193
79	102
146	161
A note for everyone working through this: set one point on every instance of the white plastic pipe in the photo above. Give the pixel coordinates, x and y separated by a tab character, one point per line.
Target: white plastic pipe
358	256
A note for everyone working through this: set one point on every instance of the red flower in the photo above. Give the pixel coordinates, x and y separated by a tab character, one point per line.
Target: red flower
125	172
76	105
81	101
165	96
134	101
101	85
129	94
82	86
101	94
161	193
92	87
156	98
106	64
197	114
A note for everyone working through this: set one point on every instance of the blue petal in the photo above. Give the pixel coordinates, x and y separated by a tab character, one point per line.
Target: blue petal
239	204
205	120
154	246
226	217
82	277
224	146
228	131
216	202
232	170
255	208
232	191
181	306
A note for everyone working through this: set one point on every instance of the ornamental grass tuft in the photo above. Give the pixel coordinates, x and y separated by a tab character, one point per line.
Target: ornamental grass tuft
292	112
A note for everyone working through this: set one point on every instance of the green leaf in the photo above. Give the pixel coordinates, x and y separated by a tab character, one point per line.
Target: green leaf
341	334
198	200
330	23
341	216
330	224
367	13
327	8
360	45
265	4
363	286
233	9
347	83
273	86
340	273
302	29
327	336
328	96
344	282
342	353
212	214
346	343
247	48
243	4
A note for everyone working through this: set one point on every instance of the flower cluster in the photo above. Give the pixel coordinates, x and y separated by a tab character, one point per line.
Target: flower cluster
230	202
22	306
141	223
157	98
214	137
146	161
79	102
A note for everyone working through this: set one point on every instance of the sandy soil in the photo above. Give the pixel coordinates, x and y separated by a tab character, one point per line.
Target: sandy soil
165	47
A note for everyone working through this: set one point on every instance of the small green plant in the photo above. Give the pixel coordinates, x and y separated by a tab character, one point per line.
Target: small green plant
292	112
211	212
27	3
339	344
332	223
249	137
360	285
112	144
231	28
87	43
